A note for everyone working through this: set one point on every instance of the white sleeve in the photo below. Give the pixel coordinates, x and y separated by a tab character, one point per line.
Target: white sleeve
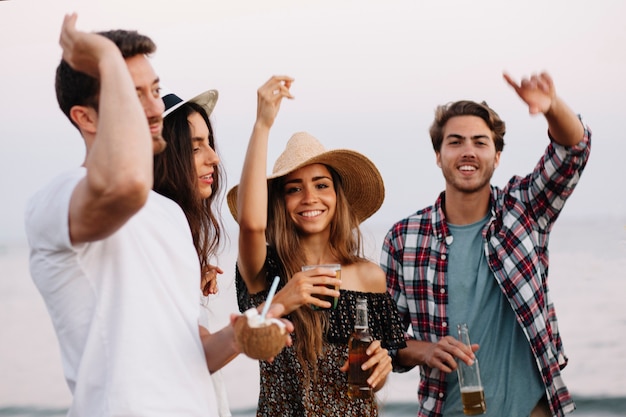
47	213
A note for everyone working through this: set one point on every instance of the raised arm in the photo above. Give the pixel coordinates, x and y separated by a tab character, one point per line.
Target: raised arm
252	194
539	93
119	144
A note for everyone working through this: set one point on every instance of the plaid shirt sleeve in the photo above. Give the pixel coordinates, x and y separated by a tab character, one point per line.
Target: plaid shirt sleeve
518	236
552	181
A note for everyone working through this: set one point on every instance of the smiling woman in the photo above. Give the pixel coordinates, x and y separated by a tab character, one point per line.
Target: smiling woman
308	212
190	173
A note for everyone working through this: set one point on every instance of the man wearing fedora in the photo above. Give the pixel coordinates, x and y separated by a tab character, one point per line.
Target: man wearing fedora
114	261
479	256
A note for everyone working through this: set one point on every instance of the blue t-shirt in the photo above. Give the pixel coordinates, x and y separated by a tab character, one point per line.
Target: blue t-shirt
508	370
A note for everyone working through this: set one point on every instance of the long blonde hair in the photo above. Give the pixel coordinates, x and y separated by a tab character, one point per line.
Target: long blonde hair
346	245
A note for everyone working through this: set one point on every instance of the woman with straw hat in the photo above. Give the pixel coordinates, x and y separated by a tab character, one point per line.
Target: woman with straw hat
308	212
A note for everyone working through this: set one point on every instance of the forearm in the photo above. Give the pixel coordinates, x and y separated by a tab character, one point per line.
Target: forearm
413	354
252	210
219	348
121	156
252	194
563	124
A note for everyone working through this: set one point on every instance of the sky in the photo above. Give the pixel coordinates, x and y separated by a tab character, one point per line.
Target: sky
368	76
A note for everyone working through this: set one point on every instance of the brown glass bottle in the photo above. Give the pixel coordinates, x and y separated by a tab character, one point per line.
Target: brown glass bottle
357	344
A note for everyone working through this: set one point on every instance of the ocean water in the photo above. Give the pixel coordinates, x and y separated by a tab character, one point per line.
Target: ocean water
588	287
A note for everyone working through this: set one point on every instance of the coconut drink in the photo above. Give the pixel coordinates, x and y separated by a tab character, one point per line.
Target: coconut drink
259	338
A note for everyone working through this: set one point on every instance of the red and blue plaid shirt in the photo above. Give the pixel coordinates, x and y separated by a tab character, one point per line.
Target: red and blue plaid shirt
414	257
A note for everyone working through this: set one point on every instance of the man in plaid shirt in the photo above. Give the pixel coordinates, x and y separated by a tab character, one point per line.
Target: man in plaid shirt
479	255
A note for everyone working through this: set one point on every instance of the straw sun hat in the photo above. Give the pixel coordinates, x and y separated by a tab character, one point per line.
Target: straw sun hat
361	180
207	100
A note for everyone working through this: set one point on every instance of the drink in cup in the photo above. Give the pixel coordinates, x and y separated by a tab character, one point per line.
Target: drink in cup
332	300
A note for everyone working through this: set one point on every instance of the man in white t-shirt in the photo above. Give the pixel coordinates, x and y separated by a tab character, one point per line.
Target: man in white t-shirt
113	260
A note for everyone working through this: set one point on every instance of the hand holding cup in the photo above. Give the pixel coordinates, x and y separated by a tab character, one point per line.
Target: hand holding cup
327	291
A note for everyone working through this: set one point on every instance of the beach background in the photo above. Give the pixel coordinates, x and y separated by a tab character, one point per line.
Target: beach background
587	279
368	75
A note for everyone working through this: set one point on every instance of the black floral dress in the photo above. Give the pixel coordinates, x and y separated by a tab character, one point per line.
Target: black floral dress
284	389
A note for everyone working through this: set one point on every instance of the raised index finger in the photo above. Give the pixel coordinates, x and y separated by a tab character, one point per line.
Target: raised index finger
510	81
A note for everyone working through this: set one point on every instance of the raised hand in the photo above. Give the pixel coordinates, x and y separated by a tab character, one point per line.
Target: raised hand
85	51
537	91
269	97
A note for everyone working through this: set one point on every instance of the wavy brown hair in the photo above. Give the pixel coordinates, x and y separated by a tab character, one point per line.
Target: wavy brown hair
346	245
467	108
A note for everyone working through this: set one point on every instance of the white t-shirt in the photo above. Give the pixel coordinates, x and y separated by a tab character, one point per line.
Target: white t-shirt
125	309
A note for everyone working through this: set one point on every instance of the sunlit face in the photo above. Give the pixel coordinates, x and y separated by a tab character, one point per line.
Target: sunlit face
468	155
204	155
310	198
148	91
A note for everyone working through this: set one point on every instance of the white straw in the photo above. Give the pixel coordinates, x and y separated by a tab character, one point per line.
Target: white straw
270	295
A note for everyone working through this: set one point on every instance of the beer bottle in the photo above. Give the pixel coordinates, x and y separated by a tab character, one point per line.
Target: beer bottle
472	392
359	340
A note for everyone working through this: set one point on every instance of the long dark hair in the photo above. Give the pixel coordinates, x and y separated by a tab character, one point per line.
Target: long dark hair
175	177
